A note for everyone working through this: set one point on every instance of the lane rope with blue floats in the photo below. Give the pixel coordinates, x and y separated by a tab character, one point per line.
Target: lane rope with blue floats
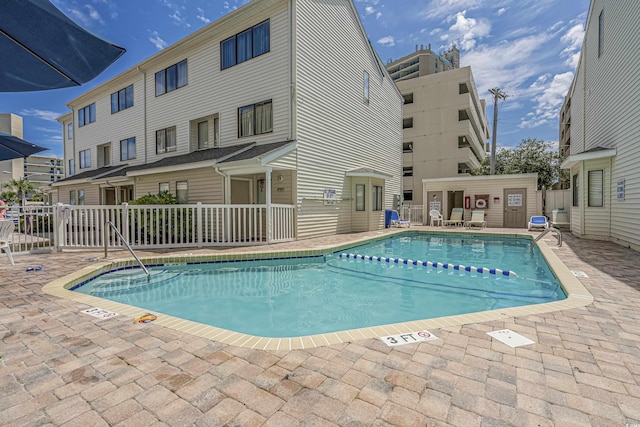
446	266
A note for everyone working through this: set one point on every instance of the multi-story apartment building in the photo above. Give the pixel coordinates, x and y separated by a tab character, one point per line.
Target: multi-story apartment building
41	170
278	102
444	120
564	135
423	62
605	126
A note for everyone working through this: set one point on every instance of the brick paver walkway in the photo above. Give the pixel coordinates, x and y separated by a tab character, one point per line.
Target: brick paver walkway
61	367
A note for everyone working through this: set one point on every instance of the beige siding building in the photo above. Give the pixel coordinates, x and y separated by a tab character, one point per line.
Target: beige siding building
307	117
605	126
444	128
507	200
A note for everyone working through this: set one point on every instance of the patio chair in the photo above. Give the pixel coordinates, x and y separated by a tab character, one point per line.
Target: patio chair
455	218
538	221
397	222
477	219
6	231
436	217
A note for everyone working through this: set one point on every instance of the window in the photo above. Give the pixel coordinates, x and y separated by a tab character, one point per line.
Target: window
377	198
408	195
80	197
366	87
203	134
166	140
600	33
72	197
128	149
163	187
255	119
407	123
70	130
85	159
407	171
245	45
462	88
408	98
596	189
72	167
463	115
87	115
181	192
122	99
171	78
360	206
575	188
407	147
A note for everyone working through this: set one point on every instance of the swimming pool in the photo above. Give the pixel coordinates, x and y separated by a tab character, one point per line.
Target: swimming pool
325	293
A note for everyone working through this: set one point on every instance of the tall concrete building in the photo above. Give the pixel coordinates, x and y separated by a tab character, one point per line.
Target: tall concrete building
40	170
444	120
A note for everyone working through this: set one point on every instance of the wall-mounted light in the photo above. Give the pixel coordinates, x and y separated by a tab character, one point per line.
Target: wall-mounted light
280	178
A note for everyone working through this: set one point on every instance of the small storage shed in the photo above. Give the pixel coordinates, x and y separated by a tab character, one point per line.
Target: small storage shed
507	200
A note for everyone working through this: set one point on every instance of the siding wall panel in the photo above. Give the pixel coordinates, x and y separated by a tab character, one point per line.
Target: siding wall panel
336	130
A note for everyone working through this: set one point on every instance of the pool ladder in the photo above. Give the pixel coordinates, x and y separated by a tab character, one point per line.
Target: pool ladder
544	233
106	240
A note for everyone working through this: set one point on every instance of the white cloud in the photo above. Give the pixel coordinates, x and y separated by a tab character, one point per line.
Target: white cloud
157	41
93	14
550	98
201	17
387	41
573	38
501	11
466	31
445	8
41	114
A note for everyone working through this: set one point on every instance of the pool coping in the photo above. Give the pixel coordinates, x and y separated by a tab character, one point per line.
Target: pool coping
577	296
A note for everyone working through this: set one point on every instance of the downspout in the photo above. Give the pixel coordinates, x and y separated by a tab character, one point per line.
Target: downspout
226	186
144	109
290	71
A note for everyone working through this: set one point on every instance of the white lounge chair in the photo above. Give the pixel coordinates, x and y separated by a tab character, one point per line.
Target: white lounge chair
560	219
436	217
455	218
477	219
6	231
397	222
538	221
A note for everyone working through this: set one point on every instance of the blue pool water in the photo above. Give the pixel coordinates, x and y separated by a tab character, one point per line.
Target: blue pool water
311	295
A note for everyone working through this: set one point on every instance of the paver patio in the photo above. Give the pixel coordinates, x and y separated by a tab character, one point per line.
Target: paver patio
61	367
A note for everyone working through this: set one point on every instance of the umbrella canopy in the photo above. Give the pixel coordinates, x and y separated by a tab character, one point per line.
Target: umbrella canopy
40	48
12	147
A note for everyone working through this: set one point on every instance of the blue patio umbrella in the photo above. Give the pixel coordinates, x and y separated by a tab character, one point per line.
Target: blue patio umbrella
12	147
40	48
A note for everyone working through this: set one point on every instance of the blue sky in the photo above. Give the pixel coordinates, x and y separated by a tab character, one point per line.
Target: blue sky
529	48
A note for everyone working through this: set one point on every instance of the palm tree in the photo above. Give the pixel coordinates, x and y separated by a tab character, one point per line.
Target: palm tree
22	187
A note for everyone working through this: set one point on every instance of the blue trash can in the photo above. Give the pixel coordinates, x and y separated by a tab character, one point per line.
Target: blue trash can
387	218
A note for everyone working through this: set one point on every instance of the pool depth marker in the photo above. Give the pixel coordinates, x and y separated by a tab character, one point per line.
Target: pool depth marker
480	270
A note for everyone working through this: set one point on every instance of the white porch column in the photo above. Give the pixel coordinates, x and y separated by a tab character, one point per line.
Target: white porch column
267	184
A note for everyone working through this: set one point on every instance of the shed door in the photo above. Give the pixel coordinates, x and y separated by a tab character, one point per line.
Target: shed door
515	208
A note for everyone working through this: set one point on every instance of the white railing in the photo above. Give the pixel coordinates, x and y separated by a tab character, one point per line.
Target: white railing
174	226
413	213
33	228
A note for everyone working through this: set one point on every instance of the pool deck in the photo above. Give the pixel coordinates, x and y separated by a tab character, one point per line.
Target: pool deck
62	367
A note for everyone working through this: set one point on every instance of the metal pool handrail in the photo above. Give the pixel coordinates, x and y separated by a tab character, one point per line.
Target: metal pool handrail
106	232
545	232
